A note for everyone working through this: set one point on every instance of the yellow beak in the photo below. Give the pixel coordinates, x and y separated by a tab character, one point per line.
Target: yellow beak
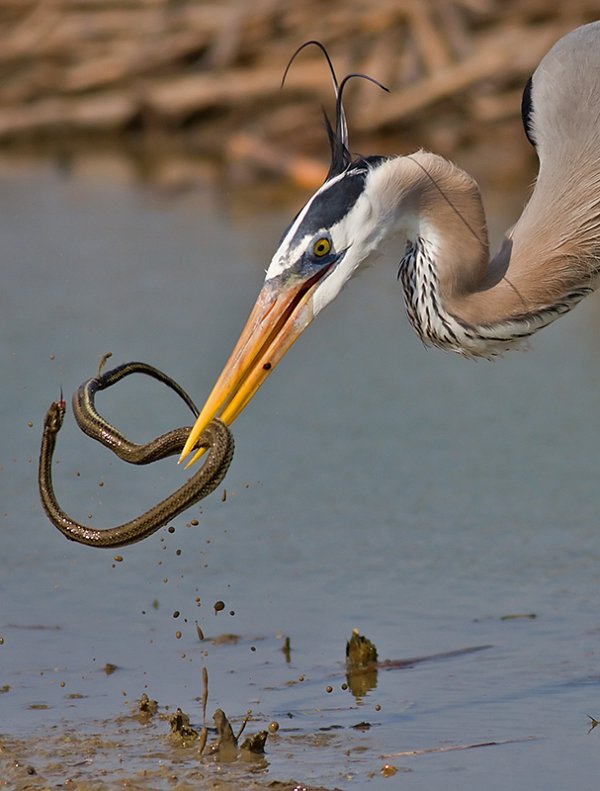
282	311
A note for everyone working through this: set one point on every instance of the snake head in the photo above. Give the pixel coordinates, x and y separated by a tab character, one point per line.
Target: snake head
55	415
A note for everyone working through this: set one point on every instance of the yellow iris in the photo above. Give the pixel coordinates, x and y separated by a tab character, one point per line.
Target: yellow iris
321	247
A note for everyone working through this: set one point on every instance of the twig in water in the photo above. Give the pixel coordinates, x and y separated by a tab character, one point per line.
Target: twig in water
451	747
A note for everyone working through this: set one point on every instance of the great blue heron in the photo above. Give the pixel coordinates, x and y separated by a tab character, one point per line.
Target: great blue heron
427	212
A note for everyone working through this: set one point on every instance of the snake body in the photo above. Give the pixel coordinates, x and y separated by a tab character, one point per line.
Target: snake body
217	438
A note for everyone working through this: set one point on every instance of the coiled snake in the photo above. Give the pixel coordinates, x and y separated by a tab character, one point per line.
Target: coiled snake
217	439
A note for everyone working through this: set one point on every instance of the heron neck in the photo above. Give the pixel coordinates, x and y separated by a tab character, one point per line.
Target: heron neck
490	305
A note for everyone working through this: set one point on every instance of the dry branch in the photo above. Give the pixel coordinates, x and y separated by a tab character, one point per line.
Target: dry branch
81	66
507	53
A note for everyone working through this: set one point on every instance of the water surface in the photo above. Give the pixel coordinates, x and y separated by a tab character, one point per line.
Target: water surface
376	485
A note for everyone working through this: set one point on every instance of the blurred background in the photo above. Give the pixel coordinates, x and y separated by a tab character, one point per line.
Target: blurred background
186	86
149	160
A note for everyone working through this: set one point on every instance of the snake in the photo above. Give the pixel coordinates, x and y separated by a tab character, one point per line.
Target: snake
216	438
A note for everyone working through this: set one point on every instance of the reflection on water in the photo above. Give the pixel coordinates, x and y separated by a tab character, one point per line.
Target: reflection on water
376	484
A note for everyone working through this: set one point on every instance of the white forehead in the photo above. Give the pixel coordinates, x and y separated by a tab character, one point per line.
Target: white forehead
290	245
323	211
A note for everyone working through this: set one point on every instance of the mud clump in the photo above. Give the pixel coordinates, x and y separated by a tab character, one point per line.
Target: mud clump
182	733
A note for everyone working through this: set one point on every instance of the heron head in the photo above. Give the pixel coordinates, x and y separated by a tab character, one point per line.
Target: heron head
332	235
328	240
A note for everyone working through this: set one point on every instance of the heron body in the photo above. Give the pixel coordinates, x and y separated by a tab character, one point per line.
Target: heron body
426	213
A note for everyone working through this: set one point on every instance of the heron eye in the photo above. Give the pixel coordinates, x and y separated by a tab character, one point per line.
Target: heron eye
321	247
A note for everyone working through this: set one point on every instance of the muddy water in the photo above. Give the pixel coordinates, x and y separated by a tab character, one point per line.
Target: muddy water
420	498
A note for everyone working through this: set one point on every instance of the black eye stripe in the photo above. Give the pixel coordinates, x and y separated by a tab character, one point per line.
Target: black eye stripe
334	202
331	205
